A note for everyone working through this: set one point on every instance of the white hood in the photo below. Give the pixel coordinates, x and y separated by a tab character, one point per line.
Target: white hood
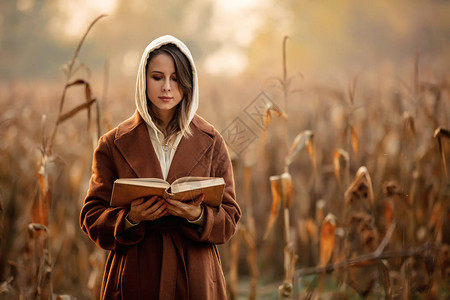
141	82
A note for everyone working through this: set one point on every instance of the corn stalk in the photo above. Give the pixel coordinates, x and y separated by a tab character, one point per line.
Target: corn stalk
42	266
247	233
41	207
281	185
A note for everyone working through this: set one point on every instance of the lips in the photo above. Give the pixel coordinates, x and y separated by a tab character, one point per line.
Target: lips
165	98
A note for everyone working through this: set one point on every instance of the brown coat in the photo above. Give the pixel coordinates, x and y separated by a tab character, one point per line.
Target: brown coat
167	258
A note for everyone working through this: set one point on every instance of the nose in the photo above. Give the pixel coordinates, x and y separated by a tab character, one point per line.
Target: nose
166	85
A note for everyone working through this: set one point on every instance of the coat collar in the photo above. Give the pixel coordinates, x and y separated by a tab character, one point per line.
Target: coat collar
133	141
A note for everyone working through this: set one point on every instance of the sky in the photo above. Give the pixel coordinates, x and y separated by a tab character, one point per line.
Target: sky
241	25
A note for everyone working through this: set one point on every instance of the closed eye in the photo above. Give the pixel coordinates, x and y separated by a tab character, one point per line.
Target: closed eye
157	78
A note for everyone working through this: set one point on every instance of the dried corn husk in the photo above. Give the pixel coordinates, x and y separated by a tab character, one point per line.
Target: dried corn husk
327	237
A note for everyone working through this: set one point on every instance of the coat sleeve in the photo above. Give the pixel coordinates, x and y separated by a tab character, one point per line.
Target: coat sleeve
220	223
104	224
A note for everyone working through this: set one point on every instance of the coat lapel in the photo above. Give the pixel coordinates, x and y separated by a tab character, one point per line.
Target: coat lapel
189	153
133	142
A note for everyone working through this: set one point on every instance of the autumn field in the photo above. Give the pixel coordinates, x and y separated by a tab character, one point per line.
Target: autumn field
344	186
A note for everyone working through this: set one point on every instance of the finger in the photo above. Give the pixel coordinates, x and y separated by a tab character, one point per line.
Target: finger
171	207
137	201
160	212
176	213
177	209
199	199
155	207
178	203
148	203
174	207
172	202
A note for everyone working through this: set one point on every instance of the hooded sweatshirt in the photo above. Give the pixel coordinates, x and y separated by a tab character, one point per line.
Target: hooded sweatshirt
164	152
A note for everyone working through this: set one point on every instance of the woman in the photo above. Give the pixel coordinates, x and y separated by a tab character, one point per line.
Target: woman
161	249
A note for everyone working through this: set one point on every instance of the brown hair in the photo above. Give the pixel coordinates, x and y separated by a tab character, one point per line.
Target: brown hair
183	71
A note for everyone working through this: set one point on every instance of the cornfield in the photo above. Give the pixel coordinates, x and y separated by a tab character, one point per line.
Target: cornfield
345	192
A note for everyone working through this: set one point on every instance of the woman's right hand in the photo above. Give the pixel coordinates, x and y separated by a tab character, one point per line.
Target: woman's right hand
147	209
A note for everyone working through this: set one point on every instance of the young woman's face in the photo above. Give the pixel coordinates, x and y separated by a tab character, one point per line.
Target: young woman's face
162	85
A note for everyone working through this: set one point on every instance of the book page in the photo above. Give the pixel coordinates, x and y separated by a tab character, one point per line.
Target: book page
188	185
155	182
191	178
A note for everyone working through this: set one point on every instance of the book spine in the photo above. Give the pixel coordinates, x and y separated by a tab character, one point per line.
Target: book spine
168	194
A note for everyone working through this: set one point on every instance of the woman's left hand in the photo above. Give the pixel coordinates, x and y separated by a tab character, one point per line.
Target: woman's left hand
189	210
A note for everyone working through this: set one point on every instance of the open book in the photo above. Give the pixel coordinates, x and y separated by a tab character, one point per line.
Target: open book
125	190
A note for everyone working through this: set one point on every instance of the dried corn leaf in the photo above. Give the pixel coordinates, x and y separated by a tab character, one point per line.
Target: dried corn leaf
87	95
312	230
268	116
442	132
310	150
43	177
361	188
67	86
41	241
435	221
277	111
408	124
354	140
44	135
389	213
286	189
439	134
320	211
267	119
327	237
41	205
75	110
299	143
39	211
338	156
76	82
275	185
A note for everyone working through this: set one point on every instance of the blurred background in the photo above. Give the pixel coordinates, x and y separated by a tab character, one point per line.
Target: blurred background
367	78
226	37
